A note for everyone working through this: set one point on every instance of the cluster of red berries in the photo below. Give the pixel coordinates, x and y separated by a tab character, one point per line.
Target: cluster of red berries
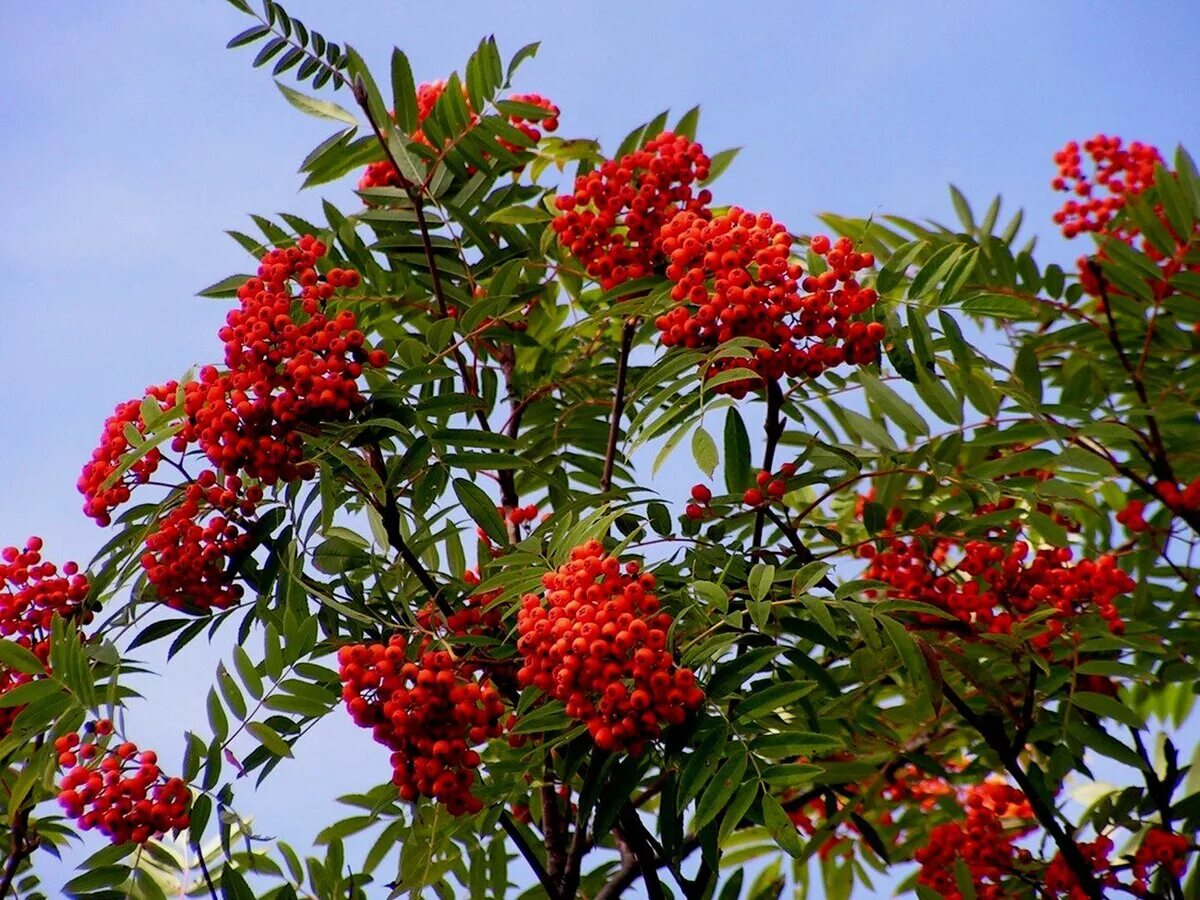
284	370
597	640
698	508
519	515
734	278
1060	880
430	712
1121	171
1003	585
186	557
996	816
769	488
32	592
287	368
479	617
613	222
125	795
384	174
100	501
1133	516
1179	501
529	127
1159	848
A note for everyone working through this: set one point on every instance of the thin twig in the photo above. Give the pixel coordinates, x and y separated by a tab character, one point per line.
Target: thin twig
212	888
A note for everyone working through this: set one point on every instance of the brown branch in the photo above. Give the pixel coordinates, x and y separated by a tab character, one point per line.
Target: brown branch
552	827
773	431
22	848
995	737
531	858
618	407
631	871
1161	796
1160	463
635	834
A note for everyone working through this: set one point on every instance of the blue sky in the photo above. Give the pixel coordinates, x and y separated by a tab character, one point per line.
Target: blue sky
132	139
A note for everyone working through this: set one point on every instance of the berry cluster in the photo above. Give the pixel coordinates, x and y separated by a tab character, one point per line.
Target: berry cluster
478	618
996	815
1122	171
1159	848
698	508
769	487
734	278
430	713
100	500
1060	881
613	222
1119	170
1003	585
285	370
528	127
384	174
597	641
186	558
125	795
32	592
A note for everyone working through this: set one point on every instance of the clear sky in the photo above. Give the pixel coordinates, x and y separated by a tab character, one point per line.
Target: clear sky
131	139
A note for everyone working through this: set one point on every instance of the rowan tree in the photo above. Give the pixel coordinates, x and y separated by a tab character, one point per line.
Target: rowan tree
941	569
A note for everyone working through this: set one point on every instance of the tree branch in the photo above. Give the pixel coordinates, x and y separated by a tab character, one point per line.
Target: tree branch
1161	796
618	408
212	888
21	849
773	431
531	858
635	833
996	738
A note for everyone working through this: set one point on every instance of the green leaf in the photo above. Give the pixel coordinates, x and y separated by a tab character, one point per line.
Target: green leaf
704	451
894	269
761	577
102	877
997	306
226	287
770	698
939	397
737	453
1108	708
727	780
321	109
249	36
963	209
14	656
519	215
269	738
782	829
893	406
247	672
404	93
482	509
719	163
790	744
